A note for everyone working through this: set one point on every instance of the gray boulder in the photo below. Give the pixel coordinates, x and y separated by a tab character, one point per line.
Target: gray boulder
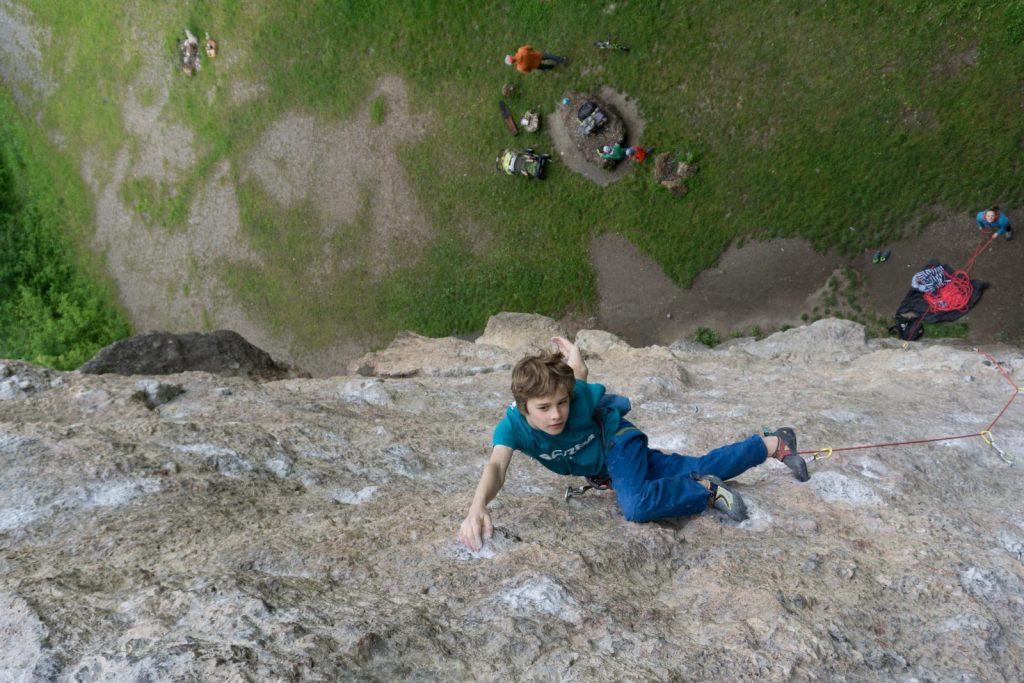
163	353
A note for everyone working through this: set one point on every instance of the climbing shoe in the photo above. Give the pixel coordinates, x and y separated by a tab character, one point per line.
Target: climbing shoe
877	257
787	452
885	256
724	500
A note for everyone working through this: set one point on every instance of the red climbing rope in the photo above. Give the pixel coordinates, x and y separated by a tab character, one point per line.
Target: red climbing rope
955	295
977	252
985	434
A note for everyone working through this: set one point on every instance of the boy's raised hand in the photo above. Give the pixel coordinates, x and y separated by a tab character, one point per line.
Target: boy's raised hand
572	356
567	348
476	529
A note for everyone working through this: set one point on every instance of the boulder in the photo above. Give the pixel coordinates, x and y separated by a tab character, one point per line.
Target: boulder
673	174
163	353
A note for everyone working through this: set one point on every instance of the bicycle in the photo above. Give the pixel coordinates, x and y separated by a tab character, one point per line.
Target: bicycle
610	45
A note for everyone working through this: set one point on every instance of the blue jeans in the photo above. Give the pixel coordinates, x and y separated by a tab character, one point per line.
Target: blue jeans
652	485
548	57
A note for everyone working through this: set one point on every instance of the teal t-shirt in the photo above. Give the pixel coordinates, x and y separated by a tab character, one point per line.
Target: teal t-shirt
578	450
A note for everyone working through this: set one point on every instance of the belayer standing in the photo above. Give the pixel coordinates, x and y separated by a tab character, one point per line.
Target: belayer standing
526	59
573	427
994	219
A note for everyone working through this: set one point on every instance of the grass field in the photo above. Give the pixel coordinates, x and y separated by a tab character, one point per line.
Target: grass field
838	122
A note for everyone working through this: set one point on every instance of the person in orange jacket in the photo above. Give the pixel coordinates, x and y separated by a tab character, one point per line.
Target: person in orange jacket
638	154
526	59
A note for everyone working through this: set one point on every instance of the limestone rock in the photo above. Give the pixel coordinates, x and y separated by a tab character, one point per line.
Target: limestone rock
19	379
162	353
306	529
411	354
599	342
837	340
673	174
520	333
154	394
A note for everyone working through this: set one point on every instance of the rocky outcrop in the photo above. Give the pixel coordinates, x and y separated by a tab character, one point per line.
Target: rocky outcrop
672	174
162	353
306	529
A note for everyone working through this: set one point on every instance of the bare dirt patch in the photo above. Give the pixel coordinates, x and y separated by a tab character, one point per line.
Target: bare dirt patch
773	283
763	284
571	156
170	280
331	164
21	57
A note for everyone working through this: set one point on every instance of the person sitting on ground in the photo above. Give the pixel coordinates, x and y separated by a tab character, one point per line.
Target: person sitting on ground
526	59
573	427
612	152
994	219
190	54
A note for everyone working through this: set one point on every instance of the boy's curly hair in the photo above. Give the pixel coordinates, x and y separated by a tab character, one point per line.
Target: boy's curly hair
540	375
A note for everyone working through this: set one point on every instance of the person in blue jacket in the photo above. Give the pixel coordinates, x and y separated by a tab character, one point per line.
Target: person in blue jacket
573	427
994	219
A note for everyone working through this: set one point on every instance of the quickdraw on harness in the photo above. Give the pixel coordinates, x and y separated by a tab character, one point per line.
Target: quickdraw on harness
598	483
602	482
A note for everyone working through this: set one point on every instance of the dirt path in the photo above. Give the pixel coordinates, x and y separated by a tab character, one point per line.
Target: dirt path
771	284
169	279
21	54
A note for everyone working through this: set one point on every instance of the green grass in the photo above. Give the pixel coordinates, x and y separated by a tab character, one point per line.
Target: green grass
378	110
155	202
55	309
836	122
707	337
946	331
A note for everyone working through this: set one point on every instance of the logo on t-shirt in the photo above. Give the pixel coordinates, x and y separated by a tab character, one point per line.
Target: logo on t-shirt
558	454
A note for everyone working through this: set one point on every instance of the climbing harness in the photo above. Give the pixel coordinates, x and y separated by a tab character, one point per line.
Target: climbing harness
602	482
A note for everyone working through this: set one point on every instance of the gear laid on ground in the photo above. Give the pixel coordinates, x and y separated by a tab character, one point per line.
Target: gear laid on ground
591	133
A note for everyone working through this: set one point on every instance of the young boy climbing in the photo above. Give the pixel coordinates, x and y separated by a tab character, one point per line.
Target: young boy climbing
573	427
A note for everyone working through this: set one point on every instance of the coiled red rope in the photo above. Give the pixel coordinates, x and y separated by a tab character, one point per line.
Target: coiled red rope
955	295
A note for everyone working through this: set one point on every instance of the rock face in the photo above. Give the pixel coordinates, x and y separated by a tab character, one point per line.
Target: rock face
162	353
612	133
306	529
